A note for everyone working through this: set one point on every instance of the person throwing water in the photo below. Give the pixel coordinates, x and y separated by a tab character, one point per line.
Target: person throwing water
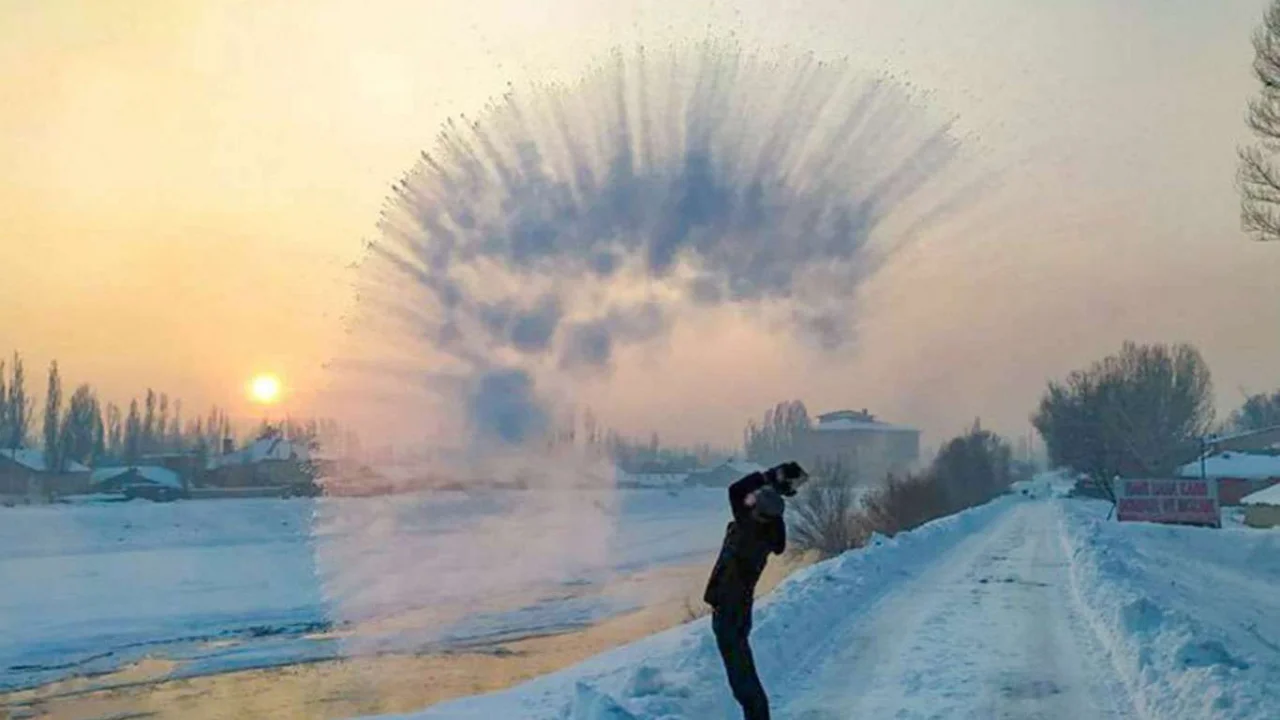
757	529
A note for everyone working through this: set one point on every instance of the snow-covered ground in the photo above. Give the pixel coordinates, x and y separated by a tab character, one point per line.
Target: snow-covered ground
1025	607
1191	615
1030	606
231	584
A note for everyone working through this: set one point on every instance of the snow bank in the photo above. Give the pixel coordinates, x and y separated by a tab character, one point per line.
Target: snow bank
677	673
1191	616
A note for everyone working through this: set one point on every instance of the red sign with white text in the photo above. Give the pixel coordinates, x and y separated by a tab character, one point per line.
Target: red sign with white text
1191	502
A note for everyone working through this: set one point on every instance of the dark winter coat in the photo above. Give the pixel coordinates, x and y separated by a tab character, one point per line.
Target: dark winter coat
746	548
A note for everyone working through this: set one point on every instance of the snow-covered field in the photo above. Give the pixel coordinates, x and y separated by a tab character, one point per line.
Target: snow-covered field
231	584
1025	607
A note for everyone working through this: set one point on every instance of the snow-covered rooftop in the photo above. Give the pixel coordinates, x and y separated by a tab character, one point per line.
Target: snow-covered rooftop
856	420
1270	496
270	448
150	473
864	425
34	460
1246	466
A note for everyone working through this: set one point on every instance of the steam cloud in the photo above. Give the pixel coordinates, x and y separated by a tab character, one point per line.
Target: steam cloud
567	222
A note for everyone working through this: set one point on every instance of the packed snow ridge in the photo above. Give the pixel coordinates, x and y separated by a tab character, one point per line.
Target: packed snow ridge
1190	616
1024	607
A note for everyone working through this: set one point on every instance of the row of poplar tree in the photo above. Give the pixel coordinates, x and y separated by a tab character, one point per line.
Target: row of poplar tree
82	428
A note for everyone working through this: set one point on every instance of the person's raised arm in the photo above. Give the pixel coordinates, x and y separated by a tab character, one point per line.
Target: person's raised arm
739	491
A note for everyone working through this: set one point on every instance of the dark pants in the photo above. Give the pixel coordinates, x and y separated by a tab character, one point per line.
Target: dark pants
731	623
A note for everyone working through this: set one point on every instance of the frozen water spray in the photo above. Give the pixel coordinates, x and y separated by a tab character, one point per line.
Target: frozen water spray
564	223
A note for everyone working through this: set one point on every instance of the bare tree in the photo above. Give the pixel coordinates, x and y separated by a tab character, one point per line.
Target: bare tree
1139	412
21	407
905	503
115	431
132	434
4	405
973	468
775	440
52	423
81	428
1258	176
213	430
148	435
175	429
825	513
1258	412
161	439
99	433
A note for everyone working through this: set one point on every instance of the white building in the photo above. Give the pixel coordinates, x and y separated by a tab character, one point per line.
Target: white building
858	441
1238	473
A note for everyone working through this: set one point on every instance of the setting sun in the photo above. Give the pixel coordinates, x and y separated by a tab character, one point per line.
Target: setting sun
265	389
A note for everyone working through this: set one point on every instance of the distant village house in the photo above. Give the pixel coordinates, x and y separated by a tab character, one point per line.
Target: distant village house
25	478
150	482
269	465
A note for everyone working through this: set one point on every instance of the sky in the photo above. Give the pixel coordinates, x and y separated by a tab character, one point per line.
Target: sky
183	187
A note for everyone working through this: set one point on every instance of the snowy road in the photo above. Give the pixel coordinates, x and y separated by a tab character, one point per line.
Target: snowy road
990	629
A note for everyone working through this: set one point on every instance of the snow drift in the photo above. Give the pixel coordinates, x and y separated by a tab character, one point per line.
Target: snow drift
1191	616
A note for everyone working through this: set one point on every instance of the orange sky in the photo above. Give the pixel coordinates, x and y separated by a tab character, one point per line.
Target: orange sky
182	185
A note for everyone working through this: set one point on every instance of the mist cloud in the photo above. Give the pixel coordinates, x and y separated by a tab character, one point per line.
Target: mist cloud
568	222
